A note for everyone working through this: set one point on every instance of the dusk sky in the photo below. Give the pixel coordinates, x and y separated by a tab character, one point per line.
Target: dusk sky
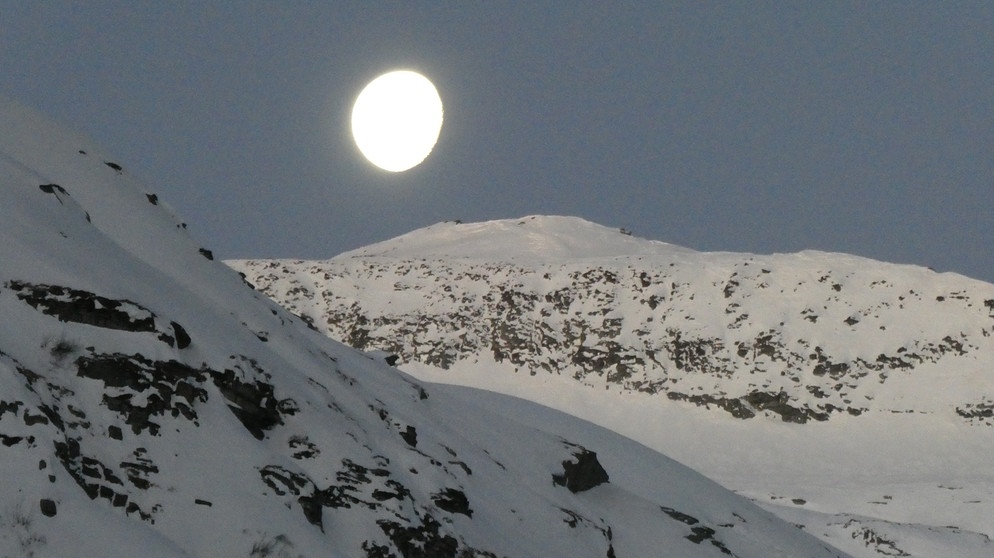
858	127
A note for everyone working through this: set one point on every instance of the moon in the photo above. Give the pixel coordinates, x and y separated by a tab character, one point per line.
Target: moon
396	120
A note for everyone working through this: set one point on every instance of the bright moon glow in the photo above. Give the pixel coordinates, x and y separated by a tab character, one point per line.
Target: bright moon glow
396	120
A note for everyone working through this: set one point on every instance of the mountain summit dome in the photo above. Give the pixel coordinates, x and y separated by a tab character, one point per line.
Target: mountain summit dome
535	238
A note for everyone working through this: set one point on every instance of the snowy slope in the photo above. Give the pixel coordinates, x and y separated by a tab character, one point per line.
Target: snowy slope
153	404
849	395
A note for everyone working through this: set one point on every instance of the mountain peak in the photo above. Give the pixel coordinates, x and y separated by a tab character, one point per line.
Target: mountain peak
534	238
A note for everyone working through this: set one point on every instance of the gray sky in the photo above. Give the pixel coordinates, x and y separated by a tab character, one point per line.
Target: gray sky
859	127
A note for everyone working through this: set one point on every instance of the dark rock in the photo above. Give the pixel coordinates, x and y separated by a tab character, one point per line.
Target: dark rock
778	403
353	474
53	189
253	403
420	541
730	286
48	507
152	199
700	534
287	407
313	510
826	366
374	550
350	491
167	386
734	406
742	407
383	495
133	508
74	305
200	502
696	354
139	470
340	496
115	432
10	407
94	478
182	337
680	516
119	500
283	481
114	166
410	435
452	501
304	448
400	491
980	411
207	254
583	474
31	420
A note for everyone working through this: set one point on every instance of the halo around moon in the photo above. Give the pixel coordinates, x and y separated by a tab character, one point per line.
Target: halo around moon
396	120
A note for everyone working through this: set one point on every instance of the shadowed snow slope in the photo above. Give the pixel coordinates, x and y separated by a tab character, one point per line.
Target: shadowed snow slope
153	404
852	396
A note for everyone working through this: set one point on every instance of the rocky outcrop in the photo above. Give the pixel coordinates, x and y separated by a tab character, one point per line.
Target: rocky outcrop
581	473
252	401
83	307
453	501
140	389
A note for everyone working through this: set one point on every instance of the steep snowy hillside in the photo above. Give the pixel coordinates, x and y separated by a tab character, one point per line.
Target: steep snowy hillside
152	404
809	356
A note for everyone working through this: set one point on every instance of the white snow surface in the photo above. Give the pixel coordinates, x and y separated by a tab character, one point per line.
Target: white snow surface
850	396
153	404
535	239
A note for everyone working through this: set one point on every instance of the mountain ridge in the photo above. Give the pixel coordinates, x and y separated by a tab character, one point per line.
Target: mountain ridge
719	343
720	313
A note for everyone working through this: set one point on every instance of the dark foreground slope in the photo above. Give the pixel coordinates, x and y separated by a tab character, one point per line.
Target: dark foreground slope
153	404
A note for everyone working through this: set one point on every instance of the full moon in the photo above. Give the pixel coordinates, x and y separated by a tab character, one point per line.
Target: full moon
396	120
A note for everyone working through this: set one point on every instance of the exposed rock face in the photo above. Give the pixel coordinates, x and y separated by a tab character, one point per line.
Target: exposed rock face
453	501
584	473
140	389
252	401
79	306
48	507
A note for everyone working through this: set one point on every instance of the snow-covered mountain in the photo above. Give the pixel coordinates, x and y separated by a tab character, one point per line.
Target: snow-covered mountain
852	396
152	404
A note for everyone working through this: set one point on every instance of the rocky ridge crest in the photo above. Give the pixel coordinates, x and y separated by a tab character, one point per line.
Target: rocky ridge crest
798	337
